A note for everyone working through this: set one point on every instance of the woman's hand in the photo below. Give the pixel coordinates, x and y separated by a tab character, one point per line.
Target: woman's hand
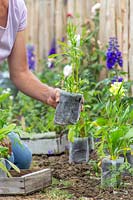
54	97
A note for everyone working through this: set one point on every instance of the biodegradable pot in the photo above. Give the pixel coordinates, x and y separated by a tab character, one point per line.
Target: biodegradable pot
3	173
129	156
91	143
79	150
68	109
111	176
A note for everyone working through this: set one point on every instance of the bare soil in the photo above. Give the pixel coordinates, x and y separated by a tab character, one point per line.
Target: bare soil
83	179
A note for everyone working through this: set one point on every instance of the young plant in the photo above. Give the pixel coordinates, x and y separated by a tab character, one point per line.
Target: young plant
114	123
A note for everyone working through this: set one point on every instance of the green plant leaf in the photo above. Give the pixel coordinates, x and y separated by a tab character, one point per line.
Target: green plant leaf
13	166
3	167
129	134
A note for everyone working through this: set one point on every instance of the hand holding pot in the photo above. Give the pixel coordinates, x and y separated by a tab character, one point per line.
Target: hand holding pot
68	108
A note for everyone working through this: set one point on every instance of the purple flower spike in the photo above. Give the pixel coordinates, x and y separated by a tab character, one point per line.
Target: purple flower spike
31	57
53	47
113	55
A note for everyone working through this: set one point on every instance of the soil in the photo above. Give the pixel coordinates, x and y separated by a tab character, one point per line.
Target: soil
84	180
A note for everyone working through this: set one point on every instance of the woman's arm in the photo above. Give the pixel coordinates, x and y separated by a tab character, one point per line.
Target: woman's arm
24	79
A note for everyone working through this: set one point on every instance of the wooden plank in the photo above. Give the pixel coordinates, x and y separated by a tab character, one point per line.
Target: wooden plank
89	4
27	183
32	21
58	22
103	21
102	34
64	18
51	16
70	7
37	180
45	23
36	26
78	14
125	35
41	35
119	22
14	185
131	42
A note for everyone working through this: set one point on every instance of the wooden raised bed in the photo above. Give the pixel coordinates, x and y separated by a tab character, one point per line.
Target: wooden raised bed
25	184
46	143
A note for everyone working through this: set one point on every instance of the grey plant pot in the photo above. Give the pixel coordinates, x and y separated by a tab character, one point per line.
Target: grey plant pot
130	156
110	175
91	143
3	173
79	150
68	109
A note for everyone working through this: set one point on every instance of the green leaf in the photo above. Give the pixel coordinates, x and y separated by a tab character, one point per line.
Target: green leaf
3	97
13	166
71	134
7	129
55	55
129	134
3	167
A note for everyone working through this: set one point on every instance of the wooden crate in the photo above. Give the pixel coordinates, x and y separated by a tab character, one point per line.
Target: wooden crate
25	184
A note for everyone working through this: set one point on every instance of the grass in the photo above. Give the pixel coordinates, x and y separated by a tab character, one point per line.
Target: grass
58	194
57	190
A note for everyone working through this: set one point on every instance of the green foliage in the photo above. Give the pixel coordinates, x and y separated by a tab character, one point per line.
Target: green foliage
81	129
82	53
93	54
32	115
114	123
5	128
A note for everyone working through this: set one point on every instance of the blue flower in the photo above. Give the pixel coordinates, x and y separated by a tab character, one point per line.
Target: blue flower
31	57
113	54
116	79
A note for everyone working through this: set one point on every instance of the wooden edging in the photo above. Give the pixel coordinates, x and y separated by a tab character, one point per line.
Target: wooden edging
25	184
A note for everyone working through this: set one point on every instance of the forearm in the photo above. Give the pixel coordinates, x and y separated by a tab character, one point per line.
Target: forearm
31	86
24	79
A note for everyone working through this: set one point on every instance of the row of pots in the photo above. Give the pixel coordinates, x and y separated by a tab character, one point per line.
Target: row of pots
110	169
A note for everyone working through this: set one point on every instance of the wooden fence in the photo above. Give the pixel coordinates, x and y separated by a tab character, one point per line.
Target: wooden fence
116	19
47	20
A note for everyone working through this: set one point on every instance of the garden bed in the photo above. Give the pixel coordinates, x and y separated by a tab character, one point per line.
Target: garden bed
76	182
46	143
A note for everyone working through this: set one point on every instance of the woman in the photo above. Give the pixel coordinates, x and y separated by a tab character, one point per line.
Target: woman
13	16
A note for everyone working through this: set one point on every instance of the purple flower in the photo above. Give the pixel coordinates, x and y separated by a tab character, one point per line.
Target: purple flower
120	79
116	79
52	51
113	55
31	57
50	152
53	47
